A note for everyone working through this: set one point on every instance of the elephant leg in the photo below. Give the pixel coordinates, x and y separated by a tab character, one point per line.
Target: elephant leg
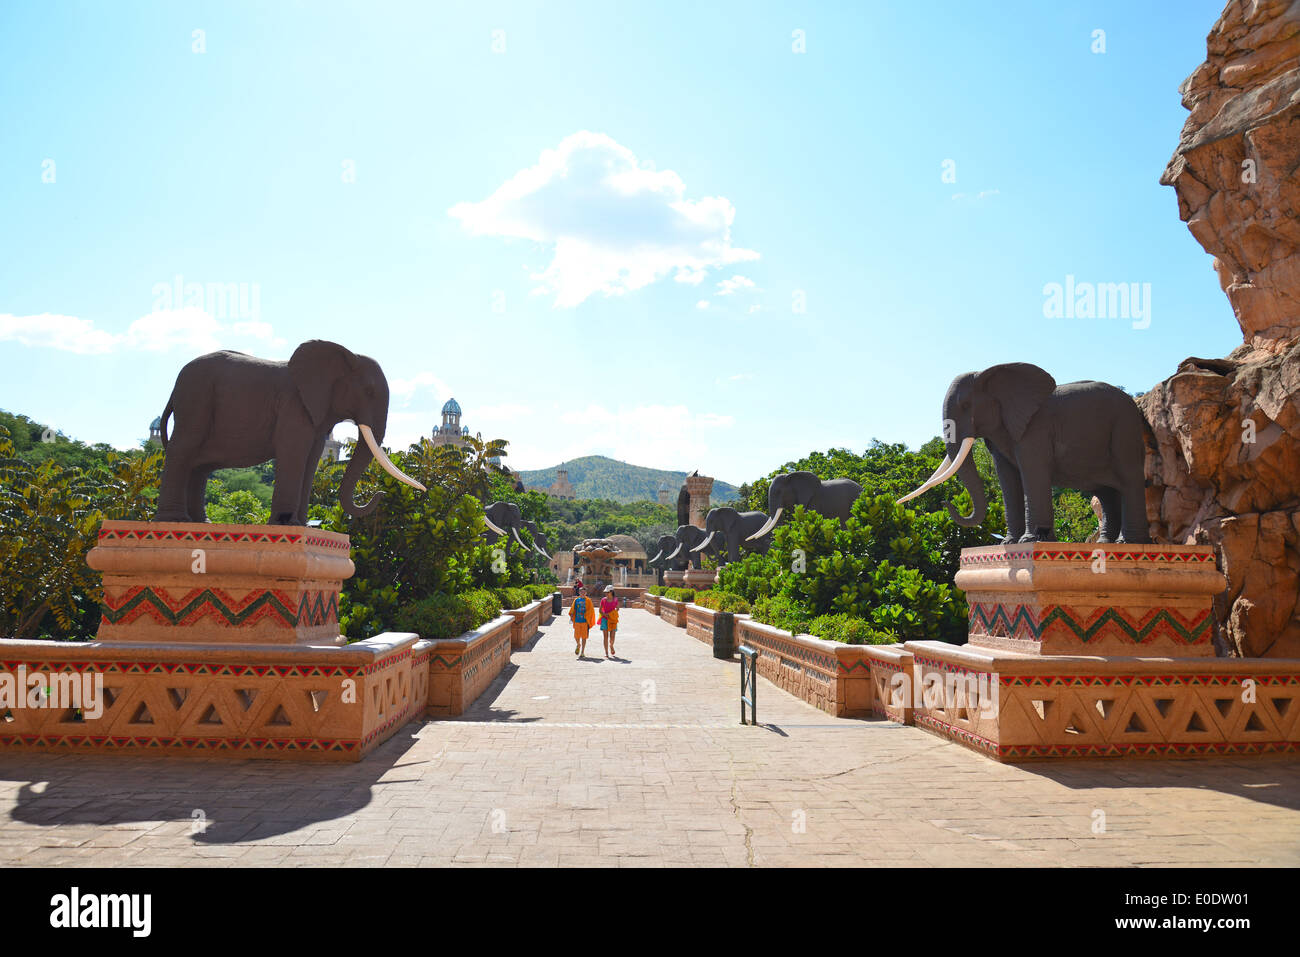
1039	521
290	458
1013	494
196	494
1110	515
1137	530
179	467
309	473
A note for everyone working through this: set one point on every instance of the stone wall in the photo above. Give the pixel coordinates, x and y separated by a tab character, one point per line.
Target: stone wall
1223	459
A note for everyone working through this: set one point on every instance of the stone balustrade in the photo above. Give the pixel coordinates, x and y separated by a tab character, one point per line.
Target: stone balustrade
834	677
526	621
673	612
461	669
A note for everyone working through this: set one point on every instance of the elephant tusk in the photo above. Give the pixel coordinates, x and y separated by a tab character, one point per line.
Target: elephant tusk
515	532
656	558
704	544
383	461
943	473
767	526
540	552
674	554
492	527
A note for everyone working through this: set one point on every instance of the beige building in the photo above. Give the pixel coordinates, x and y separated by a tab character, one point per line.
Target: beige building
562	487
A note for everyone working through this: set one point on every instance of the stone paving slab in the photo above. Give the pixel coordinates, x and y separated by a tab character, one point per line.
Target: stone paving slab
641	761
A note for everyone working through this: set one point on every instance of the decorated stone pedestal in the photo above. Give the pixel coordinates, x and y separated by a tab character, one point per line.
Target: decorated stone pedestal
675	579
217	639
182	581
1050	598
699	578
1081	650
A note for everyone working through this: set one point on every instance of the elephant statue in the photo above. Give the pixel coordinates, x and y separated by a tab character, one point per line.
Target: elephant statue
830	498
504	518
688	538
667	544
727	529
233	410
540	543
1082	435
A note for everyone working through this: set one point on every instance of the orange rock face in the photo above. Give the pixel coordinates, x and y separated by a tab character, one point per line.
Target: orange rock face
1235	166
1223	460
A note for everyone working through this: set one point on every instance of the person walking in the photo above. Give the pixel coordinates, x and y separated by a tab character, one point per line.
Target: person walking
609	619
583	615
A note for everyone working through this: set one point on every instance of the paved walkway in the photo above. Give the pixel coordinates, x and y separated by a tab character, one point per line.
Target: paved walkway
642	761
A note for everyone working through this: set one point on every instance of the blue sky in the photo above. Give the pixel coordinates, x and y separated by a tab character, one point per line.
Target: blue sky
649	231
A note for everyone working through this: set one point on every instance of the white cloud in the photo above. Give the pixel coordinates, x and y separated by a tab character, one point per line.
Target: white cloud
615	225
702	304
736	283
405	389
189	329
48	331
753	309
655	435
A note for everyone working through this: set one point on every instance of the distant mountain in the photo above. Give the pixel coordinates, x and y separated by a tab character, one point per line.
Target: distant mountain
596	476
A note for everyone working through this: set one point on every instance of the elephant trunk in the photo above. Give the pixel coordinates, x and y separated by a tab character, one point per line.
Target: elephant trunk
361	457
970	477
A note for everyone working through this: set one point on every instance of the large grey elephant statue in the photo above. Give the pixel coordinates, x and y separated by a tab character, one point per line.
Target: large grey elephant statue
688	537
504	518
727	529
540	543
666	546
1082	435
830	498
233	410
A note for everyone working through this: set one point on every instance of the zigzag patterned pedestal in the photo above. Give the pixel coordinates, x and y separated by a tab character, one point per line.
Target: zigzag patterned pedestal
1098	651
1054	598
217	639
184	581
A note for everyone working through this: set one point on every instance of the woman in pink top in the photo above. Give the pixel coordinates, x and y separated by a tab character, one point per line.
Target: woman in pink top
609	619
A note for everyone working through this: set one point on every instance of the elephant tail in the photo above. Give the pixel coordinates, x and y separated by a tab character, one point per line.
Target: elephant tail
162	423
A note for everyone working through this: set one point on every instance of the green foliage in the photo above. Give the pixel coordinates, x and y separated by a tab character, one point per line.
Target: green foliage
49	519
238	508
887	566
513	597
416	544
850	630
578	519
448	616
1075	519
679	594
722	601
600	477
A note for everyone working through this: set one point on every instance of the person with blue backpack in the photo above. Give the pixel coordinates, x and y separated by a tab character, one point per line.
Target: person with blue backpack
583	615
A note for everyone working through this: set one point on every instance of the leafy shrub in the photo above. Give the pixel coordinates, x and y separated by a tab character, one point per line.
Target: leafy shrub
849	630
448	616
781	612
679	594
887	565
513	597
657	590
722	601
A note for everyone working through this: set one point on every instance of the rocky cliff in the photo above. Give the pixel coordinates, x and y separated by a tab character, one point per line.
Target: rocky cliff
1224	456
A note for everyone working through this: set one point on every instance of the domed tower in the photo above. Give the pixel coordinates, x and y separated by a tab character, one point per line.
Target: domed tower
155	430
450	431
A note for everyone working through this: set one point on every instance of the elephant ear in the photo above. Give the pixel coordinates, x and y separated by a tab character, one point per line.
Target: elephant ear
1020	388
314	369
